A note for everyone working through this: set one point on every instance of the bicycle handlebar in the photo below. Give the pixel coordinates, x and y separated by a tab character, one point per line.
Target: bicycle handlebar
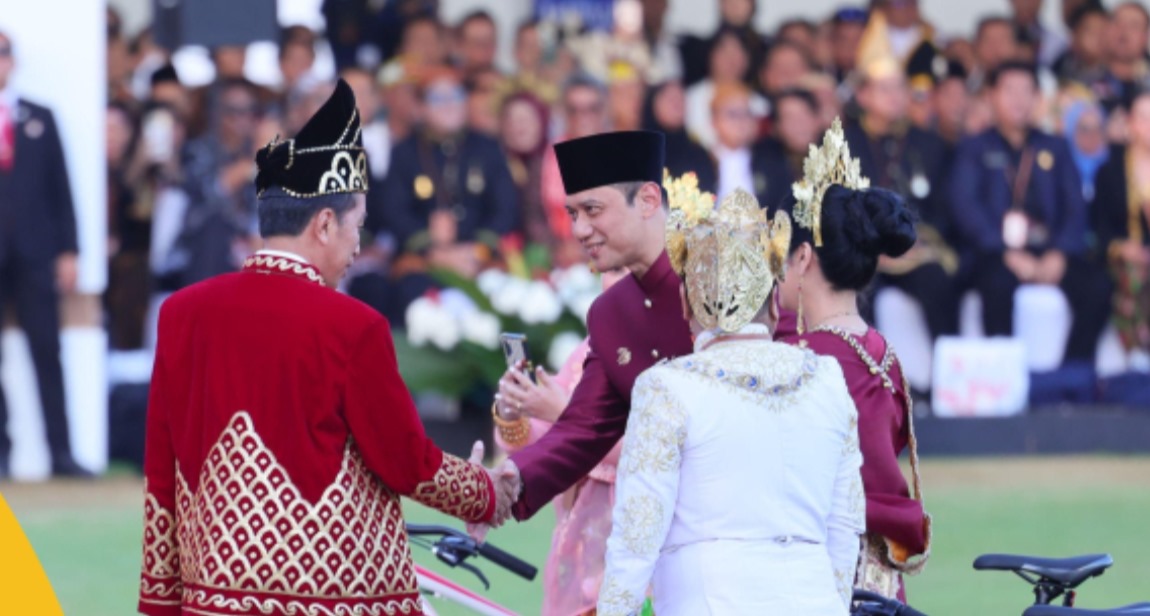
907	610
507	561
464	542
883	605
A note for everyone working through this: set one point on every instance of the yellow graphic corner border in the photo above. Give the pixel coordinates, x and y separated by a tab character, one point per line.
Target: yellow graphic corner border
24	588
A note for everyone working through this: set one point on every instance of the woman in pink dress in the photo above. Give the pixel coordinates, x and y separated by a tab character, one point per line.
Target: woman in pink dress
524	411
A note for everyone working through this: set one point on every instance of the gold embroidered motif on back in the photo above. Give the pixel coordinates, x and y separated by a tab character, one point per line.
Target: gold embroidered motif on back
247	528
771	376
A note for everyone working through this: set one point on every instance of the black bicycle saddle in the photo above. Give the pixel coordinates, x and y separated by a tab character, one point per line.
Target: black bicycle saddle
1068	571
1058	610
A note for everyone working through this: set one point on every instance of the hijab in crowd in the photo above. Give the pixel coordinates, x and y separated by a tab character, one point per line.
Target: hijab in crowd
684	154
1087	163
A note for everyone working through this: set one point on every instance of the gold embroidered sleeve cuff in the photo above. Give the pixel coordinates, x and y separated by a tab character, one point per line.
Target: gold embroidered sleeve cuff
160	577
459	489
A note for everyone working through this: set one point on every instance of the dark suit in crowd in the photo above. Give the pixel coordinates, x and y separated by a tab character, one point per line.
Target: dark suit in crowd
37	225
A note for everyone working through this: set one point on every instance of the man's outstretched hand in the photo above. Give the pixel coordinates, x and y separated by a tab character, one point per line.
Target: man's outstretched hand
507	487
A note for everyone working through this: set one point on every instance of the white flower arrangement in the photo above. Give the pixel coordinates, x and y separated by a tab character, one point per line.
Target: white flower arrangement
481	328
540	304
561	348
510	296
446	317
491	280
460	325
577	287
429	321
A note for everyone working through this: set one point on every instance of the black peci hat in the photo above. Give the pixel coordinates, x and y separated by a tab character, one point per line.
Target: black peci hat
610	158
165	74
325	158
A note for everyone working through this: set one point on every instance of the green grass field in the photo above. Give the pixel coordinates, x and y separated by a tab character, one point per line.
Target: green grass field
87	535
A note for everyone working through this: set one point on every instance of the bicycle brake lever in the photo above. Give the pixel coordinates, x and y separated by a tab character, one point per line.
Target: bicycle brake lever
478	574
447	554
454	551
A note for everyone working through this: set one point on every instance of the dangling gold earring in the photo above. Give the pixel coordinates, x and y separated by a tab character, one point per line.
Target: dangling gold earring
775	306
800	325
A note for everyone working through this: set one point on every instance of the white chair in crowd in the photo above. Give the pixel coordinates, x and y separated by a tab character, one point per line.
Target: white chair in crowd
1042	321
902	322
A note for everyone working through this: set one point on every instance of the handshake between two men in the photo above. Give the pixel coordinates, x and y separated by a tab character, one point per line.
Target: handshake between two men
526	397
505	477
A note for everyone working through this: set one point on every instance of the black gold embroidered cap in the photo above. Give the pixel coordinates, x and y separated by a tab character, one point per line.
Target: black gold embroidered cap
925	68
610	158
326	157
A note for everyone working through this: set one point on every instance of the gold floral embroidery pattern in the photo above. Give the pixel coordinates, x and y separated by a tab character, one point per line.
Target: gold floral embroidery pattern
614	600
851	441
248	529
874	572
857	498
770	375
843	581
657	428
643	517
271	263
159	582
454	488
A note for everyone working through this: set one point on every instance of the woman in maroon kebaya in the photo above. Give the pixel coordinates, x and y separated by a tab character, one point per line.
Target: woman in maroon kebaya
843	228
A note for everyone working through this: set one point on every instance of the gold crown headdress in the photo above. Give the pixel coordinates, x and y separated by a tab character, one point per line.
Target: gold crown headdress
729	257
826	165
875	56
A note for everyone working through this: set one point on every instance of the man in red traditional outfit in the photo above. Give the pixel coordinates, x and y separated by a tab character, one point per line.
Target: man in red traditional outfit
280	435
619	216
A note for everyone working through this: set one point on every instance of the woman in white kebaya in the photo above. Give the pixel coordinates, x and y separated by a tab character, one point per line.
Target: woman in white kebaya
738	490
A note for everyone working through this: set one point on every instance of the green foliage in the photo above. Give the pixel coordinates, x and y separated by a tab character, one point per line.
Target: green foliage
454	373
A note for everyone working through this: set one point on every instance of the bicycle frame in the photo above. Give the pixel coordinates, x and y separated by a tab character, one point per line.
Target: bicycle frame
1045	592
435	585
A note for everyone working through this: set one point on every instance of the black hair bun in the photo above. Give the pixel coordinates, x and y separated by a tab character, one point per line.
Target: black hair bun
878	221
893	220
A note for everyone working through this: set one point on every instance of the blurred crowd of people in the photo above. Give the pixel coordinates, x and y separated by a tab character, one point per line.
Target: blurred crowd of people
1025	152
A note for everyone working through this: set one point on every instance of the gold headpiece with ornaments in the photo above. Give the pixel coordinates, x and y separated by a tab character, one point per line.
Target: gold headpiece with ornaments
876	57
826	165
729	257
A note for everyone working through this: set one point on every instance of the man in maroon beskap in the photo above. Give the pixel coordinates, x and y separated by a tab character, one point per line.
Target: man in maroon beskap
618	213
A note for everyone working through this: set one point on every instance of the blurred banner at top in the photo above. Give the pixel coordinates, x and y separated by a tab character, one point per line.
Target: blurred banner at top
594	14
214	22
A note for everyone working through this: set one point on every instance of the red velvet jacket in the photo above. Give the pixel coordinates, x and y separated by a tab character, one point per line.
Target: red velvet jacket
631	327
279	440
